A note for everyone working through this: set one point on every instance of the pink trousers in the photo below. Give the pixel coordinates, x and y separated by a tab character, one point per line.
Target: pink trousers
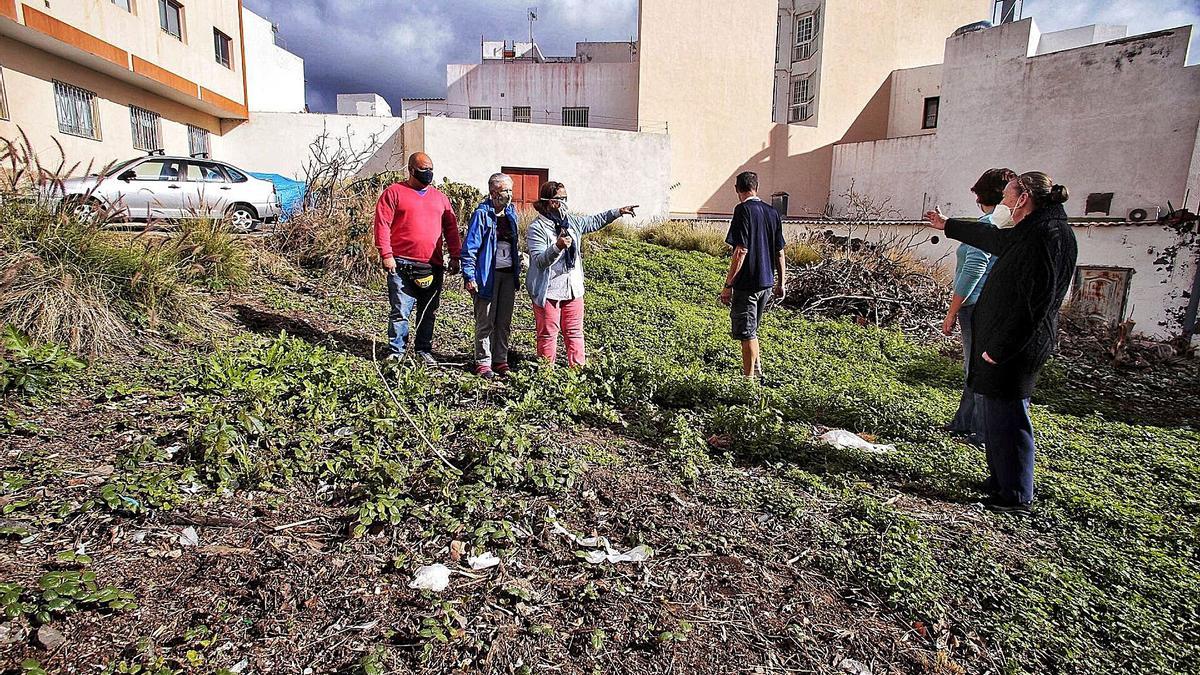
565	316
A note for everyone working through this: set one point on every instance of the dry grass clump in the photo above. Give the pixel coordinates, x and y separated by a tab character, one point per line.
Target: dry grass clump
67	281
684	236
801	253
210	254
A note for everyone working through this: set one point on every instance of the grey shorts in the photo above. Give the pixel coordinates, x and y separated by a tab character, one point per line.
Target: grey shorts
746	311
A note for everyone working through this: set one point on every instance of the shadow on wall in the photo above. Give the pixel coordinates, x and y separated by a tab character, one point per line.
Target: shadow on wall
806	176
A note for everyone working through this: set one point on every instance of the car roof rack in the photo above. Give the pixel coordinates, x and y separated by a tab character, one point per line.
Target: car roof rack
200	155
157	151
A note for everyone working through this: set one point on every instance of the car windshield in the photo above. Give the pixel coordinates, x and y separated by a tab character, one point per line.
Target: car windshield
117	168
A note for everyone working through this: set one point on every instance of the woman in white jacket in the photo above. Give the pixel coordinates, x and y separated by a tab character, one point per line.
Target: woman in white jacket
555	277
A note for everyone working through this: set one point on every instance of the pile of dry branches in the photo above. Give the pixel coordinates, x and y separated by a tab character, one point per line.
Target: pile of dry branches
879	282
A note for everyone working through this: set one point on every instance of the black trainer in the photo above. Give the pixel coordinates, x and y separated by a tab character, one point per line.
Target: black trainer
998	505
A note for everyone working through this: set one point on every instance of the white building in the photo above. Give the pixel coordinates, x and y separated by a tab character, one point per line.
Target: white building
367	105
275	77
1116	119
515	82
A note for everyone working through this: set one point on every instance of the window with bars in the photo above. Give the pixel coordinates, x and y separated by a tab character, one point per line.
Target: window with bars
170	17
930	120
522	113
806	37
480	113
802	99
574	117
147	128
77	114
221	44
126	5
198	142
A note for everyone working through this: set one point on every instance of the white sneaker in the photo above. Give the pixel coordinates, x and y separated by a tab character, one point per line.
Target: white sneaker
427	359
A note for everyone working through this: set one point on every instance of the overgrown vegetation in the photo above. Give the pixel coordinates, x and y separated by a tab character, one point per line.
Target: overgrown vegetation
29	369
272	487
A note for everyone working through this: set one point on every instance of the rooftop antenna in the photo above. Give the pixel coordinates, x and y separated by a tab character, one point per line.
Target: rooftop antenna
533	11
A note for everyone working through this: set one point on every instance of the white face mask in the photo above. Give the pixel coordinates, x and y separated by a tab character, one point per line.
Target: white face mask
1002	217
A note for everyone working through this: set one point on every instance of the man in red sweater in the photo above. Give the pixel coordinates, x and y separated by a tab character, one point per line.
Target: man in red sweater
411	221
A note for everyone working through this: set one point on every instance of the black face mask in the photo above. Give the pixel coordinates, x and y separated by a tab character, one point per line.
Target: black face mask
425	176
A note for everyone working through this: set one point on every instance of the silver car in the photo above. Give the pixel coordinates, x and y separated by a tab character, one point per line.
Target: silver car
162	187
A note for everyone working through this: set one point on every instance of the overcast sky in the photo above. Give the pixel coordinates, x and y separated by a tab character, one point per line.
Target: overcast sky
400	48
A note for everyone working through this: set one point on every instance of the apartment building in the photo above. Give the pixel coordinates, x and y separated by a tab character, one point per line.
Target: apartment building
516	82
772	85
109	79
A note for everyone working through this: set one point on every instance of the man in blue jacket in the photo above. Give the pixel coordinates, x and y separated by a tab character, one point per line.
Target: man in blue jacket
491	267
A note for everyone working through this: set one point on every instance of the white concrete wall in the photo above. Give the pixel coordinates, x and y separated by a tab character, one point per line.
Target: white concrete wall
369	105
900	174
608	90
607	52
1079	37
412	108
602	168
1118	118
910	88
282	142
274	76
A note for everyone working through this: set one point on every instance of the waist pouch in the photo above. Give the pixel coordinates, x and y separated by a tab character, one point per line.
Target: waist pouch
420	274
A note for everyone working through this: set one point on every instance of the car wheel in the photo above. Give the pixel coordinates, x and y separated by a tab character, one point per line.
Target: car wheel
242	218
83	209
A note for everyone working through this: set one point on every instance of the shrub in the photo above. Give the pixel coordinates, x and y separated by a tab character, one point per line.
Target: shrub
29	369
64	280
685	237
335	234
463	199
801	254
210	254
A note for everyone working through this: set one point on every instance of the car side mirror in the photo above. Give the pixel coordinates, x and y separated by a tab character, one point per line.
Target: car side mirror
127	176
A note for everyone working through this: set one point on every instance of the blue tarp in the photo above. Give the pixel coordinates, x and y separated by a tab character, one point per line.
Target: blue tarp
291	192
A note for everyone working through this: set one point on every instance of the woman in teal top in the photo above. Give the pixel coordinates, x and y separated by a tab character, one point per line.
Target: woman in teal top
970	273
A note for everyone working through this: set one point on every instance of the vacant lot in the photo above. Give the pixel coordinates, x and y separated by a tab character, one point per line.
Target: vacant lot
257	496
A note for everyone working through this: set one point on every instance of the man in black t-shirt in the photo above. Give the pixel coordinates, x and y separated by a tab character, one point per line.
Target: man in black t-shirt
757	269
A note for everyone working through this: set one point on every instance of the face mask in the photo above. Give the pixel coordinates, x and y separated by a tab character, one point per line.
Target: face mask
425	176
1002	217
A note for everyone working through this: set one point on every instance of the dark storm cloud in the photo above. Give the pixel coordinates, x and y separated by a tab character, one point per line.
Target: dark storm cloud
400	48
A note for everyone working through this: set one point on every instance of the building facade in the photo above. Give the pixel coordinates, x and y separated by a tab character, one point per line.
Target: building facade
105	80
515	82
1114	118
275	78
772	85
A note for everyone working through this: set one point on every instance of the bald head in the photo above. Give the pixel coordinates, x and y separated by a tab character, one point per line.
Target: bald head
419	160
420	170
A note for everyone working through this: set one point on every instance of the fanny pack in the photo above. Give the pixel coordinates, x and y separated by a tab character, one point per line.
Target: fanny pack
420	274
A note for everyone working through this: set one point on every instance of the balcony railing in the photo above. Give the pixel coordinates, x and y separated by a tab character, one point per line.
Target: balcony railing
802	112
805	51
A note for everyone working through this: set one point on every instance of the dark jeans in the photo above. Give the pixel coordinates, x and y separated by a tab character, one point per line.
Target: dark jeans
969	418
405	297
1010	448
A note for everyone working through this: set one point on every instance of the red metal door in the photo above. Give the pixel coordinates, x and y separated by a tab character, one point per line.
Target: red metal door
526	183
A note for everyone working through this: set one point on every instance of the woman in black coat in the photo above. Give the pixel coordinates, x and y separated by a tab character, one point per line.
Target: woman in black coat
1016	323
